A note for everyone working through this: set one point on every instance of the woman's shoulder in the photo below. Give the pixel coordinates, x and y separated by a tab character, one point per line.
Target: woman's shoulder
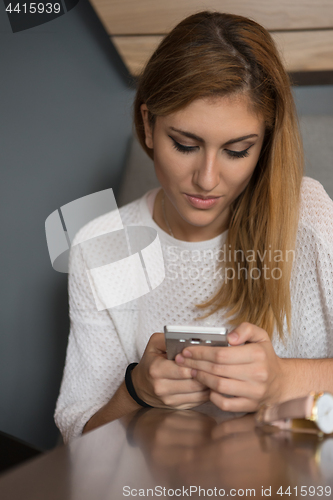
311	188
111	221
316	209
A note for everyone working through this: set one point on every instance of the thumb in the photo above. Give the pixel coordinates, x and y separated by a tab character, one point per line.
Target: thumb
247	332
157	342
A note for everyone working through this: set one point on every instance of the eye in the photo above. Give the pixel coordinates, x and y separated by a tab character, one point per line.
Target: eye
181	147
238	154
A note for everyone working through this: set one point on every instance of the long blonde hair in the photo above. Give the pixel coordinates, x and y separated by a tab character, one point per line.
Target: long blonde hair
211	54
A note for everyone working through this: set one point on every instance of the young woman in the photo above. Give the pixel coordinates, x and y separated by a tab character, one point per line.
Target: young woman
247	241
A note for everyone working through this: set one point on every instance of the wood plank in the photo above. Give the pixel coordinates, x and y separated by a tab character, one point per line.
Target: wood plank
300	50
306	51
135	50
308	78
160	16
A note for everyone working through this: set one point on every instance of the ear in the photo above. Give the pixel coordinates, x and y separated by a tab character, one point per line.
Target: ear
147	126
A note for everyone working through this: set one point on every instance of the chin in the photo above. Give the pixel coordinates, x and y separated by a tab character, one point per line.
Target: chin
199	221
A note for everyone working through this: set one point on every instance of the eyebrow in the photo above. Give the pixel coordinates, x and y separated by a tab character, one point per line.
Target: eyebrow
199	139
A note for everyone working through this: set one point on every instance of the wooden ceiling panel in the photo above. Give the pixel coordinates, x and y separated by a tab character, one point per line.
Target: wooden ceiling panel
301	51
135	50
127	17
306	50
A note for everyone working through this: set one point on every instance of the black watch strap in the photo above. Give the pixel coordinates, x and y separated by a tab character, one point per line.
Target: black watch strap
130	386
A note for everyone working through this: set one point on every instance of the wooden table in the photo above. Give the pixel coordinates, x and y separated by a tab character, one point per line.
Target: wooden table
162	454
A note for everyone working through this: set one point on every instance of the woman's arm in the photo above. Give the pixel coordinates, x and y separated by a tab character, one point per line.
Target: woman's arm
95	359
305	375
120	404
253	372
158	381
92	390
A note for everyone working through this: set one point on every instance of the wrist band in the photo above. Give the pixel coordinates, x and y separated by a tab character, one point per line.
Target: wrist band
130	386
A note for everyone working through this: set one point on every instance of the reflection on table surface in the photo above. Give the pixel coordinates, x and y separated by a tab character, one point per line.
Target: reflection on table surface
163	453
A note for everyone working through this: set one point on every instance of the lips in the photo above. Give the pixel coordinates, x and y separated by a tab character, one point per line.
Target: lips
201	202
202	197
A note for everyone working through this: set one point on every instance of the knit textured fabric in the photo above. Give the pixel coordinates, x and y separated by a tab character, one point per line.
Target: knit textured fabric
103	342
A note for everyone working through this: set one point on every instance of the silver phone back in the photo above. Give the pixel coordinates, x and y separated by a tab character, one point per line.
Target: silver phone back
177	339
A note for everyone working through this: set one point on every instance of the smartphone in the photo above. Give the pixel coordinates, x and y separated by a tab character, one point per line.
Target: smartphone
178	337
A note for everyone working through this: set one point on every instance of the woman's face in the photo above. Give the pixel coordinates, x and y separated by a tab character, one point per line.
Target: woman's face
207	150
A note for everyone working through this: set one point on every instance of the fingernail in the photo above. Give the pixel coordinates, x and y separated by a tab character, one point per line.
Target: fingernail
194	373
187	353
233	336
179	359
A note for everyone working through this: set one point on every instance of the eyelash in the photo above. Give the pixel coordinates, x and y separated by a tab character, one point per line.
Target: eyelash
190	149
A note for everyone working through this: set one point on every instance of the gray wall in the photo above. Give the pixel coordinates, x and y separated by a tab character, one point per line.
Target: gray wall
315	110
65	123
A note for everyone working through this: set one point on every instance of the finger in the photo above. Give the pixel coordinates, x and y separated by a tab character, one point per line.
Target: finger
233	355
163	368
237	372
156	343
233	404
187	401
166	387
247	332
231	387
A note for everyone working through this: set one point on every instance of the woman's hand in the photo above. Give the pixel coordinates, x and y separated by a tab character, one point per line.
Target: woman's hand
162	383
252	372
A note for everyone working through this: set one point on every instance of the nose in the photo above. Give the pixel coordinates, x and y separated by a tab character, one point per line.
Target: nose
207	174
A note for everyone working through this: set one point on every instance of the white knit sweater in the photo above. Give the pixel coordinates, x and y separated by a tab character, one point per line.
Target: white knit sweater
102	342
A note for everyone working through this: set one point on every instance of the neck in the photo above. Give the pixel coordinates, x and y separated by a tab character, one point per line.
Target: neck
166	218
